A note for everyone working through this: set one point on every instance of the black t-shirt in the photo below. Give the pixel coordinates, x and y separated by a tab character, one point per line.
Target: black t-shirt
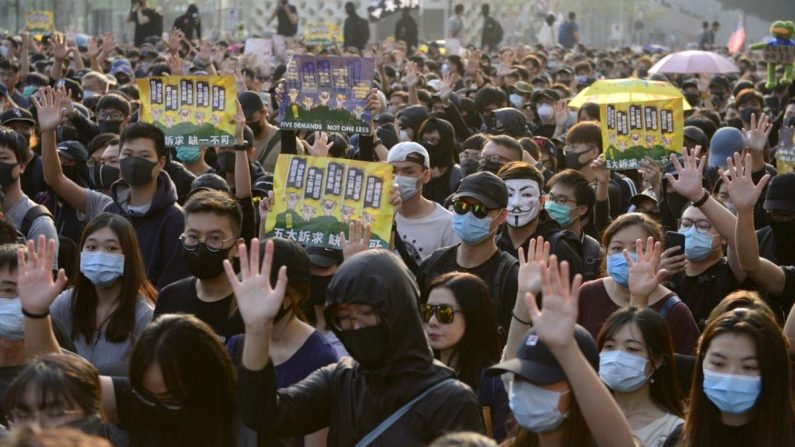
285	27
151	27
727	436
7	375
181	297
703	292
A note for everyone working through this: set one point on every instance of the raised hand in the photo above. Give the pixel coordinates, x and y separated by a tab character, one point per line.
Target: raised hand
320	147
258	300
446	87
205	52
601	173
92	47
739	184
358	239
240	124
36	287
688	184
561	112
651	172
530	267
58	45
644	276
757	136
175	65
412	77
108	45
555	325
175	39
48	108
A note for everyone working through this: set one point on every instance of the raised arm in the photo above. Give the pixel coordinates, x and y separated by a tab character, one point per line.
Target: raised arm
529	283
555	327
60	54
49	114
644	273
242	173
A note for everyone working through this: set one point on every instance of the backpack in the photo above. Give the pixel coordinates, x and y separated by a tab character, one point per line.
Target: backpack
67	248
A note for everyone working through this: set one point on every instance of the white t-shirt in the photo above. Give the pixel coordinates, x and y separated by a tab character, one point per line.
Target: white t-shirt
655	434
424	235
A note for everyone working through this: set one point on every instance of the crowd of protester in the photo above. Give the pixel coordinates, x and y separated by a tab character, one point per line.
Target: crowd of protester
530	296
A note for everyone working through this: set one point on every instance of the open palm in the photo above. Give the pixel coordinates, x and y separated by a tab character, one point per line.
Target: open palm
530	267
257	299
36	287
555	324
643	274
688	182
739	184
48	108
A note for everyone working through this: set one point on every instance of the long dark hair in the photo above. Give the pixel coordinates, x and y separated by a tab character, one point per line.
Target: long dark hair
197	372
479	346
771	420
664	389
134	283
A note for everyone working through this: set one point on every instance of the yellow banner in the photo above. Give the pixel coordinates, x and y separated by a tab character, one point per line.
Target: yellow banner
633	131
316	198
40	22
322	34
190	110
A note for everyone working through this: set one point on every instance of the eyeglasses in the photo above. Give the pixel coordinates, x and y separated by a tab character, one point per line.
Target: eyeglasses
114	116
29	417
494	158
444	313
462	207
213	243
152	402
356	321
464	155
702	225
560	200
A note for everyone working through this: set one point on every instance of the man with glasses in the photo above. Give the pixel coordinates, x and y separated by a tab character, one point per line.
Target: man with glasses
479	210
212	228
267	137
498	152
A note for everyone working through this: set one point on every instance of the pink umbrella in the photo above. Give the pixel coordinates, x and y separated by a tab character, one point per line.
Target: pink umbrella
694	61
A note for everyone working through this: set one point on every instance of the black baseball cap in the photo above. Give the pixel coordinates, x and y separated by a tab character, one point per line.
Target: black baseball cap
208	181
720	81
697	135
74	150
484	187
324	257
251	102
17	114
535	363
289	253
779	193
546	93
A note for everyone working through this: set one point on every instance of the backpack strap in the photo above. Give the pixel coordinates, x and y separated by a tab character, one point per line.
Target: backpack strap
666	309
409	260
276	138
31	215
501	278
394	417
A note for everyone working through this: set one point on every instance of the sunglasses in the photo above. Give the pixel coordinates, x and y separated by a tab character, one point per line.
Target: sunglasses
444	313
462	207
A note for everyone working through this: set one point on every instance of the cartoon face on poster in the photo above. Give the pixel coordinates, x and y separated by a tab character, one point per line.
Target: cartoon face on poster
190	110
39	23
317	197
634	131
327	93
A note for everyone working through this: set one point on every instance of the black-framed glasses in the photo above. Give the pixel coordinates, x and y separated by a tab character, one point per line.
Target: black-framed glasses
702	225
213	243
445	313
152	402
462	207
560	200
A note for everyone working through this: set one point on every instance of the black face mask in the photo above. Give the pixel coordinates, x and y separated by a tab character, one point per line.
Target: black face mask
573	161
317	287
108	126
784	235
256	127
490	166
66	134
438	155
469	166
692	98
6	174
72	173
746	112
102	176
368	345
203	263
136	171
789	121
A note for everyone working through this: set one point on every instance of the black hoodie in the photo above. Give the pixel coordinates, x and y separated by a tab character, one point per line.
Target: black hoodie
351	399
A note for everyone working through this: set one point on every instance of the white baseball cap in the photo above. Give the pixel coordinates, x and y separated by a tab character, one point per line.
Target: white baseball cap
409	151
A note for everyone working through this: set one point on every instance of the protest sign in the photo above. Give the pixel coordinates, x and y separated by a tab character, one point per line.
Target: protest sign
379	9
633	131
322	34
316	198
39	23
261	49
785	153
452	47
327	93
779	54
190	110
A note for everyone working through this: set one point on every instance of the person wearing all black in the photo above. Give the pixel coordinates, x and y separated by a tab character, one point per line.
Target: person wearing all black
190	23
286	19
356	32
406	30
148	22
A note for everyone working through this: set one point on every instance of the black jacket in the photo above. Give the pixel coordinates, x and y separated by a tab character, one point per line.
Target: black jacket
351	399
356	32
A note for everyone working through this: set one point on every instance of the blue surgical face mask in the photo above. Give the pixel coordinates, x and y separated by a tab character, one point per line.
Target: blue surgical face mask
102	269
731	393
407	186
622	371
697	245
188	154
535	408
517	100
12	322
561	213
29	90
470	229
618	269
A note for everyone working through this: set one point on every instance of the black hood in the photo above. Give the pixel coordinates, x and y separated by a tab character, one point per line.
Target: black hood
441	154
380	279
412	117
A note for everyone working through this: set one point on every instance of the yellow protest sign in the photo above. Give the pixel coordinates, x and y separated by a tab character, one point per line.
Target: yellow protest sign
322	34
40	22
317	197
633	131
190	110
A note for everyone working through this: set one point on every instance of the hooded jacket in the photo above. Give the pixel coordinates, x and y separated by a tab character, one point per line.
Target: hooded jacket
352	399
158	230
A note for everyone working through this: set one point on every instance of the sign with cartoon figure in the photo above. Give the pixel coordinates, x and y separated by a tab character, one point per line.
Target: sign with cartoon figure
327	93
317	197
39	23
323	34
633	131
190	110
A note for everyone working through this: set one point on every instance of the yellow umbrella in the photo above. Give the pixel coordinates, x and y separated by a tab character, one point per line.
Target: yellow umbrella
616	91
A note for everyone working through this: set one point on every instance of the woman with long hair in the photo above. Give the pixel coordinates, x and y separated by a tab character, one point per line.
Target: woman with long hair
741	392
460	323
110	301
636	362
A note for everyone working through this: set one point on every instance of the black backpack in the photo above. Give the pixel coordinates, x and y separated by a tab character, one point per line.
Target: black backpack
67	248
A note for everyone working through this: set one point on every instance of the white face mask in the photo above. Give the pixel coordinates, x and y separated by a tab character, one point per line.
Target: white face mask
12	322
403	135
535	408
407	186
622	371
545	112
523	201
4	51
